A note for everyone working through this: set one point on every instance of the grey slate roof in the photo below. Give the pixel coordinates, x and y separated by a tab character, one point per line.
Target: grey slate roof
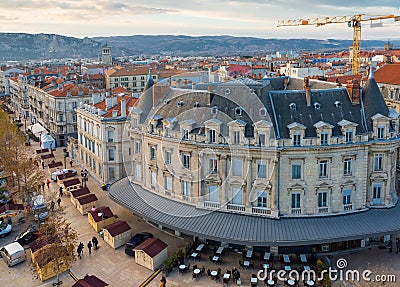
253	230
373	101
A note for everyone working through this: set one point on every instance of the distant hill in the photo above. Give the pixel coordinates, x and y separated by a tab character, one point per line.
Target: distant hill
21	46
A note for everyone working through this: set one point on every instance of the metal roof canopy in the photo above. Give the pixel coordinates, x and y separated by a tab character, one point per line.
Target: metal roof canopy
254	230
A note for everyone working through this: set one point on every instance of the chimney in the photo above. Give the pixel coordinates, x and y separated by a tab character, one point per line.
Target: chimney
99	112
271	67
96	98
193	86
371	72
54	82
80	92
123	108
354	91
114	114
108	103
152	96
209	76
68	93
306	87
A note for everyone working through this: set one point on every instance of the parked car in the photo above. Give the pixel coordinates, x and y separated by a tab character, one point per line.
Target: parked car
62	171
135	241
13	253
29	235
5	228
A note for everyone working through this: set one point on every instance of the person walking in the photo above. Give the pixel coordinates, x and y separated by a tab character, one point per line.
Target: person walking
71	162
61	191
95	242
59	202
42	164
79	250
163	282
48	183
52	205
89	246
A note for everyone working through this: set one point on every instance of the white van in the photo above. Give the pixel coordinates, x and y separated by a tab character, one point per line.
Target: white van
13	253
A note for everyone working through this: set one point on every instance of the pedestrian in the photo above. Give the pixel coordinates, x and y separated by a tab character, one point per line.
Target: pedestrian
61	191
79	250
71	162
42	164
59	202
398	246
95	242
43	184
163	282
48	183
52	205
89	246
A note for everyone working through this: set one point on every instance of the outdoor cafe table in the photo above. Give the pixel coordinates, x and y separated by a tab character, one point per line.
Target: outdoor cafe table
215	258
253	280
213	273
200	247
303	258
220	250
267	256
249	253
182	267
287	268
246	263
286	258
227	275
194	255
290	282
307	268
310	283
196	271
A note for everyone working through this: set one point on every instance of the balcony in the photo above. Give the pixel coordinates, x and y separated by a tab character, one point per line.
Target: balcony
348	207
260	210
211	204
324	209
236	207
295	211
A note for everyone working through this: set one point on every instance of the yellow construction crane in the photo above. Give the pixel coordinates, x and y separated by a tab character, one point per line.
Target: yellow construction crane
353	21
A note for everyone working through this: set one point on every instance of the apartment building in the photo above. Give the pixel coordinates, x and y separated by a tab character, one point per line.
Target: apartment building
133	78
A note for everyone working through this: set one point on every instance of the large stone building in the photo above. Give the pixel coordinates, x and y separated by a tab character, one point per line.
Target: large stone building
133	78
281	162
102	148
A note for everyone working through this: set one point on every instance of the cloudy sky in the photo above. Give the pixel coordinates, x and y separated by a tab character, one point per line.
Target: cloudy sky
258	18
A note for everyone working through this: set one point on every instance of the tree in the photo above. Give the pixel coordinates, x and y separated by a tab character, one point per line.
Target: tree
57	244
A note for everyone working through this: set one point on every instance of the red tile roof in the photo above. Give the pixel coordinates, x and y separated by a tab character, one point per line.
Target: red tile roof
88	198
130	102
388	74
345	79
152	246
105	210
132	71
117	228
90	281
119	90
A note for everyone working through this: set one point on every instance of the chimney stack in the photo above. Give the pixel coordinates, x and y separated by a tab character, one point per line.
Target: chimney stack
354	91
114	114
123	108
306	87
96	98
108	103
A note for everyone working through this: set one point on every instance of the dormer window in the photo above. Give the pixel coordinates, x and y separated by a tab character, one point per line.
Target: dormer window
180	104
263	112
317	106
296	140
381	133
185	134
196	105
349	136
236	137
261	139
292	106
238	111
212	136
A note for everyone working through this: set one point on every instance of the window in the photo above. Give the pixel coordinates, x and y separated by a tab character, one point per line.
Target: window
296	140
213	193
167	157
261	199
324	138
185	160
212	136
346	196
296	170
377	193
213	165
84	126
111	154
152	128
111	173
349	136
185	134
138	172
152	153
323	168
236	137
137	147
237	196
135	123
378	162
261	139
261	169
322	199
237	167
347	166
153	176
381	133
295	200
168	183
185	188
110	136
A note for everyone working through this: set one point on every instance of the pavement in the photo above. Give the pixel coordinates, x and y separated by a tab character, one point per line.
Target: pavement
120	270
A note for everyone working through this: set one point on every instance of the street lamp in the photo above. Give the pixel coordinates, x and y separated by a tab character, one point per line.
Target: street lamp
65	158
84	174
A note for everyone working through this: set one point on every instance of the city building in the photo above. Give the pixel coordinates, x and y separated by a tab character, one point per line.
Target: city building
284	163
133	78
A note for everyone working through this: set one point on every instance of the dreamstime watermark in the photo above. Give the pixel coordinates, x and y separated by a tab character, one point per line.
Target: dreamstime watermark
338	273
